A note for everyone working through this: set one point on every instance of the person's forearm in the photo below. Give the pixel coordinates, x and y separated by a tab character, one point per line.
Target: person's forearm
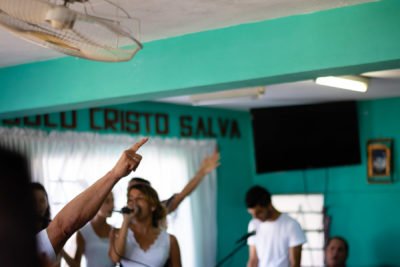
80	210
208	164
175	254
253	258
70	261
294	264
295	256
118	246
252	263
193	183
187	190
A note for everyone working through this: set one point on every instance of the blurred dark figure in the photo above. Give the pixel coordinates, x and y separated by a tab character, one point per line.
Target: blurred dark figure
17	216
42	207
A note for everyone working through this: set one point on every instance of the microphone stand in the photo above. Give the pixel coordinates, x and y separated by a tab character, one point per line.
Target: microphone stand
233	252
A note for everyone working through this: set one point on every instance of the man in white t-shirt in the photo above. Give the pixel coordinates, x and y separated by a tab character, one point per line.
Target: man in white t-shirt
278	239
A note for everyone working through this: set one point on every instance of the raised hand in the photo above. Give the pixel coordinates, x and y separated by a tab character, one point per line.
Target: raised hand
210	163
129	160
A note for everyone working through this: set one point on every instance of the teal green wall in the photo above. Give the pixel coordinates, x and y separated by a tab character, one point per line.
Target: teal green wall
366	214
348	40
234	174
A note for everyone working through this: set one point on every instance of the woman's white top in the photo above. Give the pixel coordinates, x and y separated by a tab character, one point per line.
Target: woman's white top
96	248
155	256
44	246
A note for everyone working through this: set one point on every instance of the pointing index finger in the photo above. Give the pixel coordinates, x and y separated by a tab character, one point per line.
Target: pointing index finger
137	145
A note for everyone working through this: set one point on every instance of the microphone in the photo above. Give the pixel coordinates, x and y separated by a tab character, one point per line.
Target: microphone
244	237
125	210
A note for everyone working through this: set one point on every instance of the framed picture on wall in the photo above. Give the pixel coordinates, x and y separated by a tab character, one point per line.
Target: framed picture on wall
380	158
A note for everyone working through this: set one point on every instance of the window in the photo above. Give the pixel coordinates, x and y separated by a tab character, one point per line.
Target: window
68	162
307	209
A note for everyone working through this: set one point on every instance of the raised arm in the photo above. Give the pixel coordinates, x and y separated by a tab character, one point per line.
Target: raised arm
208	164
83	207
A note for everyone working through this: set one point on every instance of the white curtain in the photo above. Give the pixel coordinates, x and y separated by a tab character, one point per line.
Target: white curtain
68	162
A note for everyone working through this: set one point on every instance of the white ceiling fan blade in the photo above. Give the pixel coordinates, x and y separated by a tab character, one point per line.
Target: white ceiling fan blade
31	11
68	31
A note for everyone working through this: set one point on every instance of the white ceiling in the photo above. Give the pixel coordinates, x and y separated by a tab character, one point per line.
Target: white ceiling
167	18
382	84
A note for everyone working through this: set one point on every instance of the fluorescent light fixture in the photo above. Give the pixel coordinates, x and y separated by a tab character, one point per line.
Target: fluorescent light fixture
353	83
228	96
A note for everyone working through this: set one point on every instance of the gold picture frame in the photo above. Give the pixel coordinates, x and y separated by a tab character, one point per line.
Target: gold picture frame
380	158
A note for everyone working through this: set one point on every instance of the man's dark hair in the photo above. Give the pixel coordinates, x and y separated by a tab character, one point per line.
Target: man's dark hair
140	180
346	244
257	195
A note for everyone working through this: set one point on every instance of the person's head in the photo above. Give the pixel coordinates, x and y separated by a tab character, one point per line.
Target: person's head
144	199
336	252
138	180
107	207
17	227
41	202
258	203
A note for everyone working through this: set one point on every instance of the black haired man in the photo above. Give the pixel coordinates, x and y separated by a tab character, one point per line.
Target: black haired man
278	239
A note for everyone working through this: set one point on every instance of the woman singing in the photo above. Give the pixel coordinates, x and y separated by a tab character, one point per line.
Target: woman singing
142	239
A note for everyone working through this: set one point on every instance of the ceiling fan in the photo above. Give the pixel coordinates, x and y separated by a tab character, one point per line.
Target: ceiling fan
55	24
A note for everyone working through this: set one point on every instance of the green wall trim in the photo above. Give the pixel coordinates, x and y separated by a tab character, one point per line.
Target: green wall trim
337	41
